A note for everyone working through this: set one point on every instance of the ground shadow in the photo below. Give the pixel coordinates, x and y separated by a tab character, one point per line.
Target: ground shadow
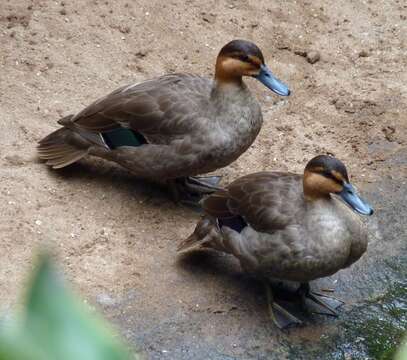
208	266
108	175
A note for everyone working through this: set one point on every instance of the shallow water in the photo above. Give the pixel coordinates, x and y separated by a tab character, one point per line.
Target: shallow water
371	330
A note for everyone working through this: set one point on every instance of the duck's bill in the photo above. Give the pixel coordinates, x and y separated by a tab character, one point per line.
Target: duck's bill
268	79
349	195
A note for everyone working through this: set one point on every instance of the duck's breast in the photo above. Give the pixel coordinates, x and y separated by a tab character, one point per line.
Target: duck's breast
234	126
323	240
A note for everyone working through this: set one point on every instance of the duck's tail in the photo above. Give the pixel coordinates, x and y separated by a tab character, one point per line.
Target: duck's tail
205	235
63	146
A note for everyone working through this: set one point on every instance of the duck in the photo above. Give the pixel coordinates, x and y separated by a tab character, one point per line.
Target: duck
174	127
287	227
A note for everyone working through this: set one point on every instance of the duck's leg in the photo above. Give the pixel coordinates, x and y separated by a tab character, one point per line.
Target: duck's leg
174	191
327	302
181	194
190	190
280	316
203	184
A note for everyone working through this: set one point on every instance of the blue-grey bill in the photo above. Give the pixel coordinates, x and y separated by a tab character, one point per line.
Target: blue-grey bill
268	79
349	195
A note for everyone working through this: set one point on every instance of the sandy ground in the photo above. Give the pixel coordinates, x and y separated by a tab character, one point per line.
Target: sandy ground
115	235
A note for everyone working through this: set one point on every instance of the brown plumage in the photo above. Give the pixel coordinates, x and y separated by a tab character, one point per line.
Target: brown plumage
286	226
172	126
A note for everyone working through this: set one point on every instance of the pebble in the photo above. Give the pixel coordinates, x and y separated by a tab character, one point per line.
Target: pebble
313	56
104	299
141	53
389	133
124	29
363	53
209	18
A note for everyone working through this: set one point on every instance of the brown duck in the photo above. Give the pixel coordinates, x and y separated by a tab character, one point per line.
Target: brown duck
287	227
173	127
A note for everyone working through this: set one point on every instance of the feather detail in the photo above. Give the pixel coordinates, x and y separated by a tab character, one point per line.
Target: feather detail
200	238
57	151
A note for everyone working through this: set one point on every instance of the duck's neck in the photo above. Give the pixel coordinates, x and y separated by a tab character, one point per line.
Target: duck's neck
227	93
223	80
224	88
314	187
226	73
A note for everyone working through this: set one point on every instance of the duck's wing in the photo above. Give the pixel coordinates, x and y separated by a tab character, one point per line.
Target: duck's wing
268	201
159	106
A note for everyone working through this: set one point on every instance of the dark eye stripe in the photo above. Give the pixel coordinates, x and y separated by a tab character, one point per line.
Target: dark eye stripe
243	57
330	176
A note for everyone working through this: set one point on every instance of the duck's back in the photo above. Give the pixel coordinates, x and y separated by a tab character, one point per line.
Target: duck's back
267	224
267	201
165	105
172	126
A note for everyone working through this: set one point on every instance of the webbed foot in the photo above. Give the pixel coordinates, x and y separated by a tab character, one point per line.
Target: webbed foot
328	303
280	316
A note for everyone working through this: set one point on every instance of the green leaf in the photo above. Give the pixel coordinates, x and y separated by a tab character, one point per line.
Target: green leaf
402	352
56	325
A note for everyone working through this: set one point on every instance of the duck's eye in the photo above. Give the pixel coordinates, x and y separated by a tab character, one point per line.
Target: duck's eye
244	57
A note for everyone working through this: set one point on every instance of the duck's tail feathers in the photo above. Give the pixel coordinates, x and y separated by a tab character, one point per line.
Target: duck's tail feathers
203	236
62	148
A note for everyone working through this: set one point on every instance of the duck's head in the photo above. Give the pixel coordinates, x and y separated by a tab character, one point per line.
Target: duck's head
243	58
325	175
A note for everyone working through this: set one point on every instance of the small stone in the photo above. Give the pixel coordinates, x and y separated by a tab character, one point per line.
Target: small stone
363	53
281	45
38	222
104	299
209	18
124	29
389	133
313	56
299	52
284	128
141	53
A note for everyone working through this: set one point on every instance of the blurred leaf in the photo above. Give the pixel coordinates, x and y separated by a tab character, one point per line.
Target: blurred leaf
402	353
55	325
